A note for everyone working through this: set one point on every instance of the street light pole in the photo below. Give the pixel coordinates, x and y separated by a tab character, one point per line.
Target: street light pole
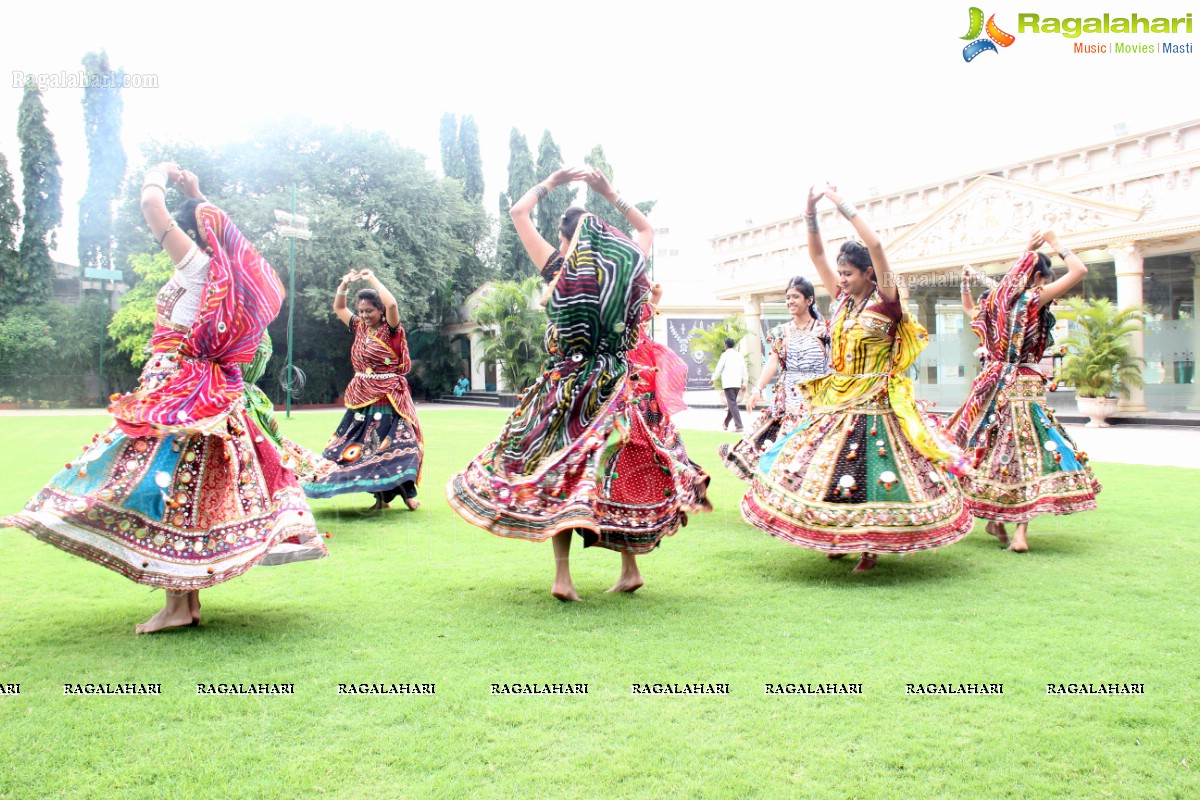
294	227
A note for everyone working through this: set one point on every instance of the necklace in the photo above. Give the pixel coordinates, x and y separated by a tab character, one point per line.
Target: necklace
809	328
858	309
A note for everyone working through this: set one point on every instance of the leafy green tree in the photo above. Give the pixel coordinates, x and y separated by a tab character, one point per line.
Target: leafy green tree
511	259
513	330
371	204
472	161
452	164
601	207
42	197
550	210
10	261
133	323
26	345
102	106
460	154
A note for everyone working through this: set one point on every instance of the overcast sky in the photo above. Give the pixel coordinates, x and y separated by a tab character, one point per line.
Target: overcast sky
722	113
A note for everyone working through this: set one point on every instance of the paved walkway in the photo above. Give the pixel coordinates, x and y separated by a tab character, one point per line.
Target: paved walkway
1140	444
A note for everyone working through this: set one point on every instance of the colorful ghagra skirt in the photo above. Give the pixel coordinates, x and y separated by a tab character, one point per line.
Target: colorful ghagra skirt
779	418
849	481
1026	464
648	484
182	512
375	450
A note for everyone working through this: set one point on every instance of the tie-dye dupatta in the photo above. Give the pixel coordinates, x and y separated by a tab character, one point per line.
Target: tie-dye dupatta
594	306
1006	319
242	296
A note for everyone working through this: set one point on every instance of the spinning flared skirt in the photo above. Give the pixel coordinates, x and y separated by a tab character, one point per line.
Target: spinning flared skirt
1026	463
741	457
376	450
649	487
623	493
182	512
850	481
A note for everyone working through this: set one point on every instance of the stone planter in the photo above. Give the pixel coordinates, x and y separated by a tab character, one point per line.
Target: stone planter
1097	409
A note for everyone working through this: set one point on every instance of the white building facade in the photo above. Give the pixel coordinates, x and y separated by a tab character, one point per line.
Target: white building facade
1129	207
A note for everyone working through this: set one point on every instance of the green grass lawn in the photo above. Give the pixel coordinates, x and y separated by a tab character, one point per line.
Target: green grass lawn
1108	596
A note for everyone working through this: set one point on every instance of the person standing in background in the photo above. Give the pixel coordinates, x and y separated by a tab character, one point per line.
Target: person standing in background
731	372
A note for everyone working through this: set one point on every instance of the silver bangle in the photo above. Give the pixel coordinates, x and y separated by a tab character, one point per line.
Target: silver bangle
1066	251
811	221
149	179
540	191
848	210
341	291
621	204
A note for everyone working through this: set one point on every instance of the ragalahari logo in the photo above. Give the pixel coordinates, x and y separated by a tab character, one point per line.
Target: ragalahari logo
995	36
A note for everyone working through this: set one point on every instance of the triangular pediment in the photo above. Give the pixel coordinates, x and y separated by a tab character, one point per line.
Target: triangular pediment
993	217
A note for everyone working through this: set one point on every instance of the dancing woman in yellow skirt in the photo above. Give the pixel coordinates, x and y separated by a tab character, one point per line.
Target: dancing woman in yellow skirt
861	472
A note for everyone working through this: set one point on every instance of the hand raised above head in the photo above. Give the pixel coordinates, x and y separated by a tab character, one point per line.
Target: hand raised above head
189	184
566	175
172	170
366	275
350	277
598	183
814	194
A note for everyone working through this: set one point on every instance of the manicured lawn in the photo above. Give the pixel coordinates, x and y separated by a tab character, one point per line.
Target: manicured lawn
1105	597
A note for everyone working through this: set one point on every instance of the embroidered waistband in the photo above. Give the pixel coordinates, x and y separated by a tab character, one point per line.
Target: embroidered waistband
376	375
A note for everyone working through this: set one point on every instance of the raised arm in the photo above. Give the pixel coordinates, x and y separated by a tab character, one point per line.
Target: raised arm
968	302
539	249
154	207
643	233
1076	269
391	311
816	245
339	297
884	278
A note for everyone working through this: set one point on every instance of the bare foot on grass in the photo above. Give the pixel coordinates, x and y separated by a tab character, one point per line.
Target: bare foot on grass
176	613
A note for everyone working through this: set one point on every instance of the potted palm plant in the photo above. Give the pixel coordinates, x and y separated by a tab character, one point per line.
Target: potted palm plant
1100	361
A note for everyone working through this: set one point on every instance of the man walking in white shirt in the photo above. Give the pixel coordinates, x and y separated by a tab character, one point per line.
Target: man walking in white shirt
731	369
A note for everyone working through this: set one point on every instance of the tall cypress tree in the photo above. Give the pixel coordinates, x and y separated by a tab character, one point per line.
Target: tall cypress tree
42	196
472	161
451	155
551	209
514	264
102	107
10	216
601	207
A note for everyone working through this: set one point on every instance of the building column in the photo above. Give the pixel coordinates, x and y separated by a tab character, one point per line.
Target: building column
1128	260
752	344
1194	403
477	376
